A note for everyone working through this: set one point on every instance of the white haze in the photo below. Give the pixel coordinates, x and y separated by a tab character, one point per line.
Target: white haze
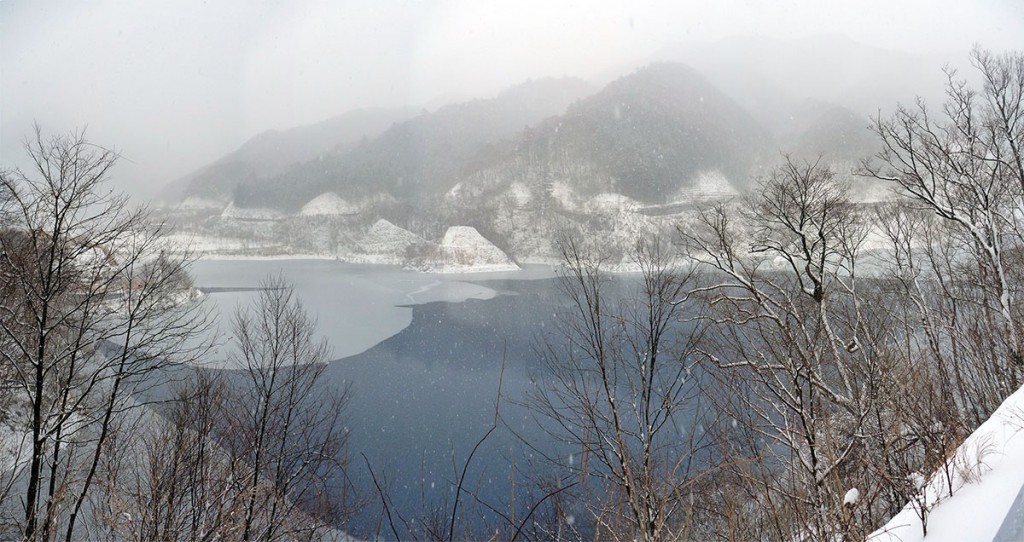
174	85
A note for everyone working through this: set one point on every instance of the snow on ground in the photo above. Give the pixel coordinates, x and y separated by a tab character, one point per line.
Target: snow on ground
456	193
212	246
520	194
710	184
255	213
196	203
272	257
565	196
612	202
384	243
328	204
464	249
989	475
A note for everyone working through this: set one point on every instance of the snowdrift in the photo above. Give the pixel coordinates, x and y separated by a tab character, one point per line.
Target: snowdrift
988	476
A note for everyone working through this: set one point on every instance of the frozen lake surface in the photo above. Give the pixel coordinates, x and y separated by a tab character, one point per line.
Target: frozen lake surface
357	306
423	354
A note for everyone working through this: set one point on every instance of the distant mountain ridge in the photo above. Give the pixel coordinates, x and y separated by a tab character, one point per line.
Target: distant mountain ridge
417	157
646	135
735	106
272	152
826	129
546	157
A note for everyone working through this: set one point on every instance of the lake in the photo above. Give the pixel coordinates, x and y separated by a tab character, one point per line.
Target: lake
423	355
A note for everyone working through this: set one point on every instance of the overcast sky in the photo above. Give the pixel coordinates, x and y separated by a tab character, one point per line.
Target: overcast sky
174	85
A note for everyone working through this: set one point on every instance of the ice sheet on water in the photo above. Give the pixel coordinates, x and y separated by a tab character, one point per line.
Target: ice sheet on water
357	306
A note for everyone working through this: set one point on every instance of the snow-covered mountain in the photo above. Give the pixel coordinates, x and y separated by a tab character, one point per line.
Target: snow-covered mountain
543	158
417	158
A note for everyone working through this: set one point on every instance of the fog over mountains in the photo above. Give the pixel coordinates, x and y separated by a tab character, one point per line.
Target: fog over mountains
549	154
770	77
419	157
658	270
645	134
270	153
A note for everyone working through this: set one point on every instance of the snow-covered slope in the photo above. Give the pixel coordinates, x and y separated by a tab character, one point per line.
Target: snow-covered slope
520	194
710	184
197	203
238	213
988	477
566	197
328	204
464	249
610	202
205	245
385	243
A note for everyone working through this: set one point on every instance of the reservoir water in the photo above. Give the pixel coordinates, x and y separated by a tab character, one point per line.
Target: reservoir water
423	355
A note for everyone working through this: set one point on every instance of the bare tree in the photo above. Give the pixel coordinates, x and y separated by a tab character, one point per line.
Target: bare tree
254	453
95	308
965	166
793	340
286	428
952	265
176	482
617	389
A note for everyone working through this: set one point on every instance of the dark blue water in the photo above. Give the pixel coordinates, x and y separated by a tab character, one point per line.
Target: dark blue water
423	357
423	376
423	398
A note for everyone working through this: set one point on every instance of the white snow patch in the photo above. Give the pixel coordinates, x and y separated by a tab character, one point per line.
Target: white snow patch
989	472
455	193
520	194
385	242
94	259
329	204
565	196
851	497
612	202
196	203
270	257
255	213
206	246
709	184
463	249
